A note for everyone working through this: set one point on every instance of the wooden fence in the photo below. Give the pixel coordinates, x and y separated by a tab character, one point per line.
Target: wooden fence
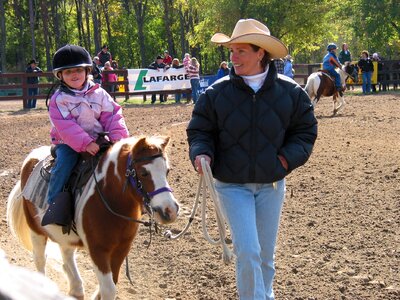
14	86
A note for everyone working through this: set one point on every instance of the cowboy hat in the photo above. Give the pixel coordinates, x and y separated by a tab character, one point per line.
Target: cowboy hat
250	31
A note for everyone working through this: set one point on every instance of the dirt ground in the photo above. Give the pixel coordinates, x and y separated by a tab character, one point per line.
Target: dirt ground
340	231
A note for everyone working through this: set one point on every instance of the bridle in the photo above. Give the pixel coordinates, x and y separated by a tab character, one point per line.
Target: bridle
133	179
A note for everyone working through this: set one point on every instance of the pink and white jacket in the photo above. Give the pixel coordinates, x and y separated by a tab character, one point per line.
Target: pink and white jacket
77	117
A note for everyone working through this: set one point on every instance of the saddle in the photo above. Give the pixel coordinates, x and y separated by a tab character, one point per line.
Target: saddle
61	211
326	73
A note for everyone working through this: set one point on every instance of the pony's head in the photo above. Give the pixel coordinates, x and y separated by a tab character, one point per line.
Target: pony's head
148	167
343	75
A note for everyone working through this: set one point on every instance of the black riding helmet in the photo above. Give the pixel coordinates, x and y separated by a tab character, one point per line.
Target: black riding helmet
71	56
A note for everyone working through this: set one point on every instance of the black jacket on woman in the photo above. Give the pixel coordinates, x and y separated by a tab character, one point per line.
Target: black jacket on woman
243	132
366	65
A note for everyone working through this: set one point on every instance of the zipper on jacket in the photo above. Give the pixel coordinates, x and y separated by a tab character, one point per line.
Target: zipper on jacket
253	140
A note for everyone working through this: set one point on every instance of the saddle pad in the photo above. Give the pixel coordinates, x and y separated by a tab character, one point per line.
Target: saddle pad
36	187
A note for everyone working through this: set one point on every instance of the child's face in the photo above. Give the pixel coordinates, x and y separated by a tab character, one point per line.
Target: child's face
74	77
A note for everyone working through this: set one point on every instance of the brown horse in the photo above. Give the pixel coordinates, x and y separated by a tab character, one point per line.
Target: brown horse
320	84
131	175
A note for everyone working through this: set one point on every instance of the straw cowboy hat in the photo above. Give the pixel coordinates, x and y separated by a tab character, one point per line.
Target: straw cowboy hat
250	31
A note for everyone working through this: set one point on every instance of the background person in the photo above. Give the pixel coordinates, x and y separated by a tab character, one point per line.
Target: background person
235	127
32	91
96	72
177	65
366	67
193	70
223	70
104	55
288	66
330	62
344	54
279	65
109	77
167	60
157	65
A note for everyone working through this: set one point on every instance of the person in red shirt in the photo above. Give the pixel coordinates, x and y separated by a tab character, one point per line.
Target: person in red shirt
167	60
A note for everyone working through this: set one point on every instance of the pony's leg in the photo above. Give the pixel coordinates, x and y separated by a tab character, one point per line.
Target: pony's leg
340	106
39	247
106	288
71	269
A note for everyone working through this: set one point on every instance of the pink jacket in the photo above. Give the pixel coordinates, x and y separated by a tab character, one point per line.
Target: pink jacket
77	119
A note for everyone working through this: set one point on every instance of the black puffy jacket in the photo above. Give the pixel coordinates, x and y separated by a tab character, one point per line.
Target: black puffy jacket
243	132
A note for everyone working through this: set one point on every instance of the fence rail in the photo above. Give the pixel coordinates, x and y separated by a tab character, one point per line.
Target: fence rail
14	86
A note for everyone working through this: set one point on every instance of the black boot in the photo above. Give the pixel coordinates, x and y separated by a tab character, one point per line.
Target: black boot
60	211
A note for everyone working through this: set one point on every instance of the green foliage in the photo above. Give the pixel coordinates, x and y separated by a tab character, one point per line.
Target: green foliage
306	27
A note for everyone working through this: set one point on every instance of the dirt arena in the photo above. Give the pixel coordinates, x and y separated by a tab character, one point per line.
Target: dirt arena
340	230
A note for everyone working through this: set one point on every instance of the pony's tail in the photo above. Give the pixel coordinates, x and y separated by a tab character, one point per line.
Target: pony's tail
16	217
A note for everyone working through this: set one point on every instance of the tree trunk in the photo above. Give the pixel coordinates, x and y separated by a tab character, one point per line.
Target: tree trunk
45	22
32	27
20	59
96	26
168	24
88	43
56	20
78	5
104	4
140	8
3	38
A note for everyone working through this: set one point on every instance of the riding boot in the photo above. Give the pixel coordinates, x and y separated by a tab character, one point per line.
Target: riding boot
60	212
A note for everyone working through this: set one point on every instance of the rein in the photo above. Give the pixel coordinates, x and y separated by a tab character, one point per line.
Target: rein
206	183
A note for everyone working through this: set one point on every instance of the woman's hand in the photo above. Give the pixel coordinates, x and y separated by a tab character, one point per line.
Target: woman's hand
92	148
197	162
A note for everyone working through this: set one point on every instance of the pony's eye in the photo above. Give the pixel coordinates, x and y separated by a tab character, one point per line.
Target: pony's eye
168	171
144	173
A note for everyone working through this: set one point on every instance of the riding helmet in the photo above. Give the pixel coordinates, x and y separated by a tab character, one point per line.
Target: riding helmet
331	46
71	56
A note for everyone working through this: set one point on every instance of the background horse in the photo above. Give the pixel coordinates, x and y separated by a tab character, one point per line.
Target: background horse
320	84
132	174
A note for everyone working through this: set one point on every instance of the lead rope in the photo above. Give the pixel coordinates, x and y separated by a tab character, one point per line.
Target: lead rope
207	183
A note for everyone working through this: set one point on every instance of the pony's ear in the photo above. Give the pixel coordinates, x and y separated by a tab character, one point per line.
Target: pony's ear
165	141
140	144
161	140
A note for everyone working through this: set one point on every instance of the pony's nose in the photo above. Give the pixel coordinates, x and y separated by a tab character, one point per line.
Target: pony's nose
168	214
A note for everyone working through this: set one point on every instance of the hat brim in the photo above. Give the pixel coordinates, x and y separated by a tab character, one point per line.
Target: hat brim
271	44
58	70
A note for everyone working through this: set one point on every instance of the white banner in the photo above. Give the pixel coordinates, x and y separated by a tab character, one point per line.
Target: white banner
148	80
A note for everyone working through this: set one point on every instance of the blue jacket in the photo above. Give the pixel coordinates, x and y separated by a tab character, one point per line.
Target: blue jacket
330	61
243	132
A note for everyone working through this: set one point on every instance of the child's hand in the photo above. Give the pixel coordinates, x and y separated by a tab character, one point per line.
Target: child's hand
92	148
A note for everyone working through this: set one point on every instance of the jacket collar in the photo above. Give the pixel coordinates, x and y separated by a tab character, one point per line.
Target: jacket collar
238	81
89	88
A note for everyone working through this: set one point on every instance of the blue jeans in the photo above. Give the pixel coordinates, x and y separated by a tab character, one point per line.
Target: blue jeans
253	212
177	98
366	82
32	102
65	162
195	83
337	77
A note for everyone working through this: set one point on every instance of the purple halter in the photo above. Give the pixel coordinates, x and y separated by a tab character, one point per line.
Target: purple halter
137	184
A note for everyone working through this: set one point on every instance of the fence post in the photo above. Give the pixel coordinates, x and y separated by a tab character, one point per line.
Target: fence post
24	91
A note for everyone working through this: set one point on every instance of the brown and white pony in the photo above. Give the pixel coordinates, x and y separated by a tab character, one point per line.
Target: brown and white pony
131	175
320	84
